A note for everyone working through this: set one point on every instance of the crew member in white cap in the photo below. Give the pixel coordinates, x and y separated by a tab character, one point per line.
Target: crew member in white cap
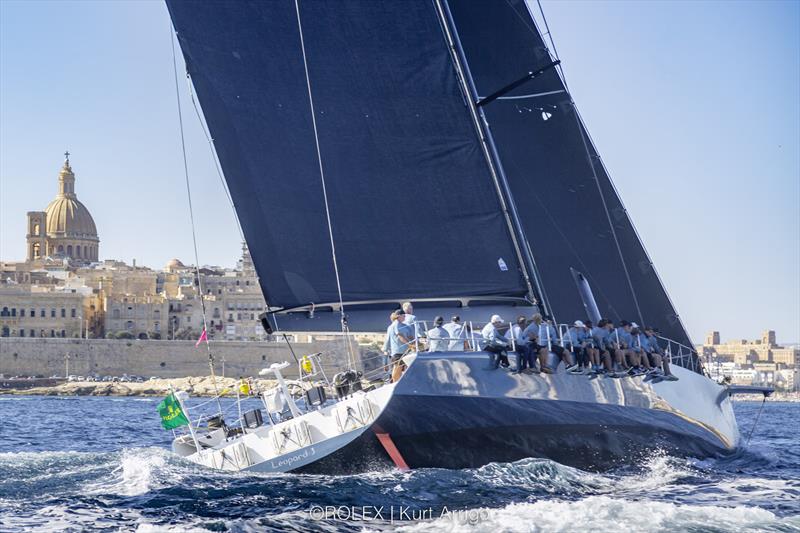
495	342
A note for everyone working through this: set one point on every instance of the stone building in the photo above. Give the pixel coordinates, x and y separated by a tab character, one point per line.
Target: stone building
140	316
27	312
744	352
65	229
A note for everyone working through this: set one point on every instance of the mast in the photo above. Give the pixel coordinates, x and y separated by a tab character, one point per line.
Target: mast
521	244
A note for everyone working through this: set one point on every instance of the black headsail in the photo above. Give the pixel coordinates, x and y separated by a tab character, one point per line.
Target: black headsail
570	211
413	207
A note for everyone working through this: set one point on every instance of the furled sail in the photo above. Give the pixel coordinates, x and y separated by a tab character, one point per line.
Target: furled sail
570	211
413	209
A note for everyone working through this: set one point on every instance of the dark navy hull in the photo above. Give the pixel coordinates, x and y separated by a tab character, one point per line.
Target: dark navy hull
440	415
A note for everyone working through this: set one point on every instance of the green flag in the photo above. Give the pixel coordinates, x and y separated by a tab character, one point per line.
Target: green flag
172	415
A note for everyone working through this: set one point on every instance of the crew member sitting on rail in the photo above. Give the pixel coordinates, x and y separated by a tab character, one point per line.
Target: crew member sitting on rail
522	344
613	346
599	334
658	357
495	343
438	336
547	333
641	347
577	344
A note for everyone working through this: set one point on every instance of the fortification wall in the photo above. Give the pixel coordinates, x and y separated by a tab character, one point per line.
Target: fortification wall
169	359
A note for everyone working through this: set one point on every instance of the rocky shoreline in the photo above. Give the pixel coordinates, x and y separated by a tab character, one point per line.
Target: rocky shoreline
195	386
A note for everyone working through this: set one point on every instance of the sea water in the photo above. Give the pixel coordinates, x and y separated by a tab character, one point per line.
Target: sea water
103	464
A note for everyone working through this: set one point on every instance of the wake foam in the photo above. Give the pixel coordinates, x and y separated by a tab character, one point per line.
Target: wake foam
602	513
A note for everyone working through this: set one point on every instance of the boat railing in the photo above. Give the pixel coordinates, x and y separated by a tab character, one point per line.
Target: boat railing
682	355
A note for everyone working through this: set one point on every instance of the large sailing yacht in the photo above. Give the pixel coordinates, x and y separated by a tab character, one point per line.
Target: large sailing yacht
429	150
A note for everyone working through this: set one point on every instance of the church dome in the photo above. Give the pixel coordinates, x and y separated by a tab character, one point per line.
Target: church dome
174	264
66	215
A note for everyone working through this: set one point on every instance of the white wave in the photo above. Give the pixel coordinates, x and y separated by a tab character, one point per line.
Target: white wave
138	471
602	513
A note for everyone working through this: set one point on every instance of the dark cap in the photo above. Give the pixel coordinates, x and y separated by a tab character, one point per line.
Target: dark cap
456	318
439	320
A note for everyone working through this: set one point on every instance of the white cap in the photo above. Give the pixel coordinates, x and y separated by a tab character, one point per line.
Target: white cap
634	325
496	318
579	324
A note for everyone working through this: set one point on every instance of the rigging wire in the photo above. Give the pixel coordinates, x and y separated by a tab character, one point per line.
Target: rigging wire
345	327
191	217
752	429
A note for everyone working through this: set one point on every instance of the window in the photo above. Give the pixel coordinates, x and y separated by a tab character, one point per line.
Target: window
33	333
42	313
52	333
115	313
72	313
69	250
36	249
63	333
36	229
60	249
157	326
53	312
22	313
63	313
22	333
129	325
4	312
33	315
13	311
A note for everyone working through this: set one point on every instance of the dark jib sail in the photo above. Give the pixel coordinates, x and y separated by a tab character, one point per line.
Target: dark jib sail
414	209
571	213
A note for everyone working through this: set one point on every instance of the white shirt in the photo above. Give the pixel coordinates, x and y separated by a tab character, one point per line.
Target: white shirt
456	333
438	339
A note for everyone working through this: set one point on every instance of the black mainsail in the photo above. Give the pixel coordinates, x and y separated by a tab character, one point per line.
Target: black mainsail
414	211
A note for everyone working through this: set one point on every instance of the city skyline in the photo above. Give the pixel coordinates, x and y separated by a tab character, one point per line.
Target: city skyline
683	127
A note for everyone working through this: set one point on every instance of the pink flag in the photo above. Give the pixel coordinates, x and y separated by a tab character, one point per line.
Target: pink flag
203	337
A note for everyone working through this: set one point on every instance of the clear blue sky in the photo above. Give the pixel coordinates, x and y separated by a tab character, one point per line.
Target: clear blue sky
697	100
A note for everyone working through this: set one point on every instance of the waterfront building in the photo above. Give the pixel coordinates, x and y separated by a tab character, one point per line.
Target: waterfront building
27	311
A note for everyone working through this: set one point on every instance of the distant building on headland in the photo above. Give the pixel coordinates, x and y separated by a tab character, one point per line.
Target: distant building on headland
744	352
761	361
63	290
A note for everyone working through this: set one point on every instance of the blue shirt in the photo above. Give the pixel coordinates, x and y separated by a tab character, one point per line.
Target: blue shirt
578	336
396	329
625	338
654	346
546	329
640	343
599	336
525	336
